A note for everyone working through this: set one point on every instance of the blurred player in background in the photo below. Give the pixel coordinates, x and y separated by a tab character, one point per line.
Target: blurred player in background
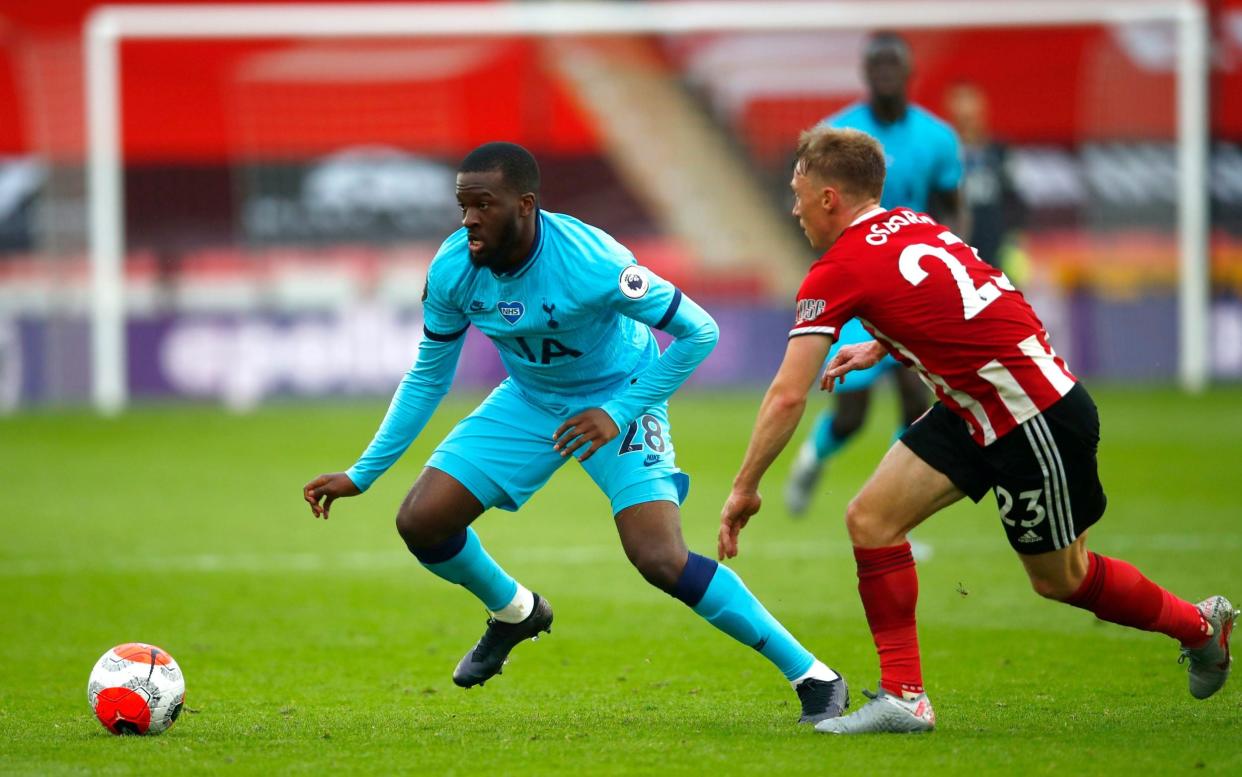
1009	418
924	170
571	314
992	201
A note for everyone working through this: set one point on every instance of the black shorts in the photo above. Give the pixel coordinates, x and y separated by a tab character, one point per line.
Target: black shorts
1043	473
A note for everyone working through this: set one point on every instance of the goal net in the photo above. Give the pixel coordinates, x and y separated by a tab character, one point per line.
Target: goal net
268	184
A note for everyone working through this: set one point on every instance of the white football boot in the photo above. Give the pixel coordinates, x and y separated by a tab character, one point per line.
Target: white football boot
1210	662
885	713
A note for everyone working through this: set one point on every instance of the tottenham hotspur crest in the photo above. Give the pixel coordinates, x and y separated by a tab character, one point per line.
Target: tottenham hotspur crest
634	282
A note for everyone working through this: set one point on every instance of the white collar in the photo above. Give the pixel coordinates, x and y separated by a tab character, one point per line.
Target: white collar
877	209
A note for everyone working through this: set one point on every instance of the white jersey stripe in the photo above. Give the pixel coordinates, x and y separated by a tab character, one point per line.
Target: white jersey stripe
1010	391
964	400
1058	541
1061	478
1045	360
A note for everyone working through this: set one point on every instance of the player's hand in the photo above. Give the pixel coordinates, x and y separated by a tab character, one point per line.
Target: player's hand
738	509
858	356
593	428
328	488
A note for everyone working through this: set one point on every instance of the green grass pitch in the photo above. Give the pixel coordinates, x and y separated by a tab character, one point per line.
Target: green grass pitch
310	646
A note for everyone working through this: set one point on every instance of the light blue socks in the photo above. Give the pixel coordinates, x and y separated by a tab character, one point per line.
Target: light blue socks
462	560
717	594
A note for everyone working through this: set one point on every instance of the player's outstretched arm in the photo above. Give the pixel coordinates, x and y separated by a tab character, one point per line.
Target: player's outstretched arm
847	359
415	400
658	304
696	335
327	489
779	415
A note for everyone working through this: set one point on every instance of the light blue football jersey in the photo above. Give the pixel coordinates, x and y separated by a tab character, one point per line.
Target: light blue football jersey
921	151
572	324
573	328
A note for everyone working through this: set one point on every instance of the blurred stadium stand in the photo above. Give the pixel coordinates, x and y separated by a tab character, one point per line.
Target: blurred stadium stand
281	193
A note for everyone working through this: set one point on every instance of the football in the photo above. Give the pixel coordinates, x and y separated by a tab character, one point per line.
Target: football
136	688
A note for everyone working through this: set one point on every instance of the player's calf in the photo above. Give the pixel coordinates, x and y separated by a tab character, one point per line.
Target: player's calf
1058	589
718	595
1059	574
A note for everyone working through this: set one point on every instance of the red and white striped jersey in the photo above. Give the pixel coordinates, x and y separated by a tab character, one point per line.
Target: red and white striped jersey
936	307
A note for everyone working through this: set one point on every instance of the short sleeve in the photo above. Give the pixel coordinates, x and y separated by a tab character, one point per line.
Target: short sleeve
827	299
442	319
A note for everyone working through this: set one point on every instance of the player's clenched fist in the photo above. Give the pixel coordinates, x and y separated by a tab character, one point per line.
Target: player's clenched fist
327	488
593	427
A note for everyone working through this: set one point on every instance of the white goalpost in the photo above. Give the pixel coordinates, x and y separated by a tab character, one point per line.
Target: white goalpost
109	26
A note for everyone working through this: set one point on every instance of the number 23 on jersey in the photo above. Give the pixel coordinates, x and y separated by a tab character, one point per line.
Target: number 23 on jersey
974	298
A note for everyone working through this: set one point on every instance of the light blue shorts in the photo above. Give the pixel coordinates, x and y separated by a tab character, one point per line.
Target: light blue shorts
502	453
861	380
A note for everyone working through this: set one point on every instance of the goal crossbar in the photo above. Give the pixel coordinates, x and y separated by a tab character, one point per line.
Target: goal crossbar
108	26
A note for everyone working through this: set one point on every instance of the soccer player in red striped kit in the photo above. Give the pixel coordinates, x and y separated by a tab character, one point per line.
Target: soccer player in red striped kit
1009	418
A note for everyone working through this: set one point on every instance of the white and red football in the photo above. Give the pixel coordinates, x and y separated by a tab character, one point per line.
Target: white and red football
136	688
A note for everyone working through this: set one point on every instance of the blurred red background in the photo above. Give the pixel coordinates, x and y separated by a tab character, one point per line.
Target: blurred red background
178	94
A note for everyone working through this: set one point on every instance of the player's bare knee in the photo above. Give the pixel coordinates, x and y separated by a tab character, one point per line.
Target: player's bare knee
413	527
866	527
659	566
856	521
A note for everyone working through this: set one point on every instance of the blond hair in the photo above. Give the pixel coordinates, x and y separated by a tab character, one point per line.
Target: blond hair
852	160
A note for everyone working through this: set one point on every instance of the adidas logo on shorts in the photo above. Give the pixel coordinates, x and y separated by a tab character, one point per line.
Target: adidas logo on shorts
1030	536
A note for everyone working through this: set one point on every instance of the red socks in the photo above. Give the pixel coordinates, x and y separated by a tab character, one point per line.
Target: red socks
889	588
1114	590
1117	592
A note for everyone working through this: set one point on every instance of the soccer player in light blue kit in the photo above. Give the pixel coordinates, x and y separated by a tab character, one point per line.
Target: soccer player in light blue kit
571	314
924	170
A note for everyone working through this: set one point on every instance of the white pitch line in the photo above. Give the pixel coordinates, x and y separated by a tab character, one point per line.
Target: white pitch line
577	555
